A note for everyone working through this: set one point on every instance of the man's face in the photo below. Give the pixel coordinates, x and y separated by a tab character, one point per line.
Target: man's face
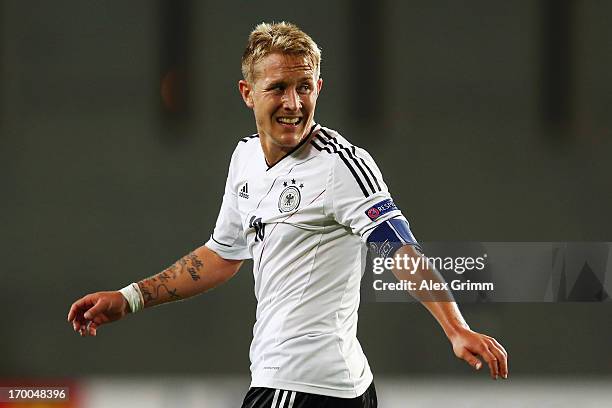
283	95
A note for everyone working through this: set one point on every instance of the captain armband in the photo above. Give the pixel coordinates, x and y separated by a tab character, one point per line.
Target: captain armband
390	236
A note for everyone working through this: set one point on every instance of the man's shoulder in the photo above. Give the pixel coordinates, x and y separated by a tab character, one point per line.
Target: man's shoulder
249	138
350	162
246	145
333	145
245	153
333	136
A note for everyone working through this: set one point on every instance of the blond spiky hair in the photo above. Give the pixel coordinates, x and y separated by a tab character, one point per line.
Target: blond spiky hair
284	38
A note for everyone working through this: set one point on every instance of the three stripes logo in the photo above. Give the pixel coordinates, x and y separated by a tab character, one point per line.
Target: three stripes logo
286	399
244	191
359	168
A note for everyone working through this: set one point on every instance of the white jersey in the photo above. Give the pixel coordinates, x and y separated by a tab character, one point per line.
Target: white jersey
303	221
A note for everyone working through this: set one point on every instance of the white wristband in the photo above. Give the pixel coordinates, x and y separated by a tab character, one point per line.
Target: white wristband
132	294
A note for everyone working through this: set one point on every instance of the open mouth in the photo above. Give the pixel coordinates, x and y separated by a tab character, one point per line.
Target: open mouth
289	121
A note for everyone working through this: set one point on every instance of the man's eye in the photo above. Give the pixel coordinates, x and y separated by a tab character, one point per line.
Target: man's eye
304	88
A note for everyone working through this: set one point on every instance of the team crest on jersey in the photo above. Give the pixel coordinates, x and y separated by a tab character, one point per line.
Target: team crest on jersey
289	199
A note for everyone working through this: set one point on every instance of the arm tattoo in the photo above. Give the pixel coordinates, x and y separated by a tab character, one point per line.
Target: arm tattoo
151	287
148	296
163	277
196	265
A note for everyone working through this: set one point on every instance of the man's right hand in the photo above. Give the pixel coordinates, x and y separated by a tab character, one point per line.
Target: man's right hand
96	309
194	273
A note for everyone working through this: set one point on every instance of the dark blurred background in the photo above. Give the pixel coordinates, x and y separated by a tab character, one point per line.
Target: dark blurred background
490	121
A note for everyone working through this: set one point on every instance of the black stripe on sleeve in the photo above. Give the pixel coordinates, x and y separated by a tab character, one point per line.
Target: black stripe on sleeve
353	156
346	162
350	155
220	243
368	168
338	146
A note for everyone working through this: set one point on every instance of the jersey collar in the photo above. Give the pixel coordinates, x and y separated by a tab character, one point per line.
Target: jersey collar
313	130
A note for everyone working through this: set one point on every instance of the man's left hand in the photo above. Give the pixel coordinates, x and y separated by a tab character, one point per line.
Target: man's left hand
468	344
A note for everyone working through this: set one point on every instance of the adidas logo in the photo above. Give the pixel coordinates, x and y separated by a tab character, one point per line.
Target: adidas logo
244	191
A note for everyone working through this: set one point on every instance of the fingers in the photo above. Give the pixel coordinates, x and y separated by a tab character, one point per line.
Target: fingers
502	356
83	303
81	326
89	329
472	360
100	320
468	345
99	307
87	313
78	320
491	360
92	328
498	345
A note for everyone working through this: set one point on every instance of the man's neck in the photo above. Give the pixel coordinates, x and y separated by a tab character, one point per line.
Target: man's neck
273	153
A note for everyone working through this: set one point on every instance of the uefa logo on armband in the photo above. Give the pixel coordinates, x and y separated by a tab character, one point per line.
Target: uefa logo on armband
373	213
381	208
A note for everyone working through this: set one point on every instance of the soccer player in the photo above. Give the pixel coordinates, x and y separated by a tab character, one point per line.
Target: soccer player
302	202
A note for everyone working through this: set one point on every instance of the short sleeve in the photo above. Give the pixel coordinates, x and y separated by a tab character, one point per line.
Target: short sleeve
227	239
360	199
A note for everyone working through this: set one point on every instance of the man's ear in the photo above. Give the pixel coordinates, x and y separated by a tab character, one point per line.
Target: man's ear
246	92
319	85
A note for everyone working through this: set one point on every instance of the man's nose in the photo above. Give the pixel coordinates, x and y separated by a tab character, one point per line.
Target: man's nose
291	100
